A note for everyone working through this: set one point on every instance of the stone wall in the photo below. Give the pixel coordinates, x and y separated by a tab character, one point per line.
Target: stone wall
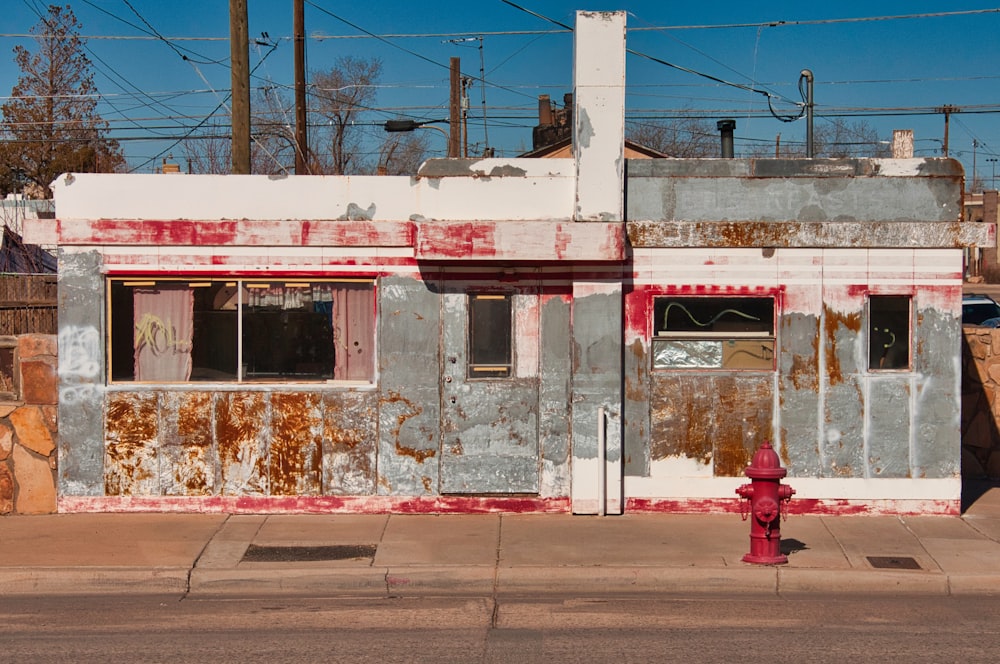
981	403
28	430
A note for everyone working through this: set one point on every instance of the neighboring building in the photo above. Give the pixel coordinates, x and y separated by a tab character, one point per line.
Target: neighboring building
981	262
510	334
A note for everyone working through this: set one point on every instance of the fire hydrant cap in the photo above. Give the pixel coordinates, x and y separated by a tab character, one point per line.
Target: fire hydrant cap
765	464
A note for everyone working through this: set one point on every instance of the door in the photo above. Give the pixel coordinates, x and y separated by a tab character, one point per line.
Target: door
489	389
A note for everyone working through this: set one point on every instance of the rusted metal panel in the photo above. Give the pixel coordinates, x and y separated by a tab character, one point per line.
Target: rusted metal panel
350	439
799	389
489	427
841	445
188	456
554	392
295	451
714	419
409	388
637	411
803	233
937	394
130	453
888	414
241	433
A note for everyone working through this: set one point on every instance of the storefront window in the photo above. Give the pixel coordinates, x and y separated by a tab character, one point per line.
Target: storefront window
241	330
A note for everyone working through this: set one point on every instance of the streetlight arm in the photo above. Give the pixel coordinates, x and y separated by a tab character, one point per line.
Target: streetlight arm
409	125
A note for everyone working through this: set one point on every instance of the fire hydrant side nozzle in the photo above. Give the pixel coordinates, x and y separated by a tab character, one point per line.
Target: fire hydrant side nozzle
762	498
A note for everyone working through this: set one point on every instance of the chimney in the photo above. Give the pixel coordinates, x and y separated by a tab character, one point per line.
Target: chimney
544	110
902	144
726	128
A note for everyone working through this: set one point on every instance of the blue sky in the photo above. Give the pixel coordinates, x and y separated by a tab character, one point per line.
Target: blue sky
890	72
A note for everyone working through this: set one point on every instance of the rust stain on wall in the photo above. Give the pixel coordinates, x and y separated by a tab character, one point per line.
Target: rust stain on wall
240	433
716	419
412	410
635	385
295	452
676	419
833	321
193	469
350	438
194	419
803	374
130	444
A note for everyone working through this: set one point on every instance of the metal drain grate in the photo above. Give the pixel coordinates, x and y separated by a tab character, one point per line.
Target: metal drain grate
296	554
893	562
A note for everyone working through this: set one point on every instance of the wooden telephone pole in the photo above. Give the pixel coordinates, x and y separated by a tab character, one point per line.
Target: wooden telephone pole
301	127
239	52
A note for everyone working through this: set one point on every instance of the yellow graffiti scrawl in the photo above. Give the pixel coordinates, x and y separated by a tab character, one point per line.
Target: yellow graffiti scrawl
158	335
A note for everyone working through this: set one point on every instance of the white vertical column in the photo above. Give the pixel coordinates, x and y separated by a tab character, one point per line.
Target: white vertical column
599	115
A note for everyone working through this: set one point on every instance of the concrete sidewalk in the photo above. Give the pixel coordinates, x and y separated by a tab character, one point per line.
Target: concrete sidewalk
494	554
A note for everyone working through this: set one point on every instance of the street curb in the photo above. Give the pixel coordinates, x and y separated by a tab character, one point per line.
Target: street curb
484	581
92	580
974	584
633	579
799	580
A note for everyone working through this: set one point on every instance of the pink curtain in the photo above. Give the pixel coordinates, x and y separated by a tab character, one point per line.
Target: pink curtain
164	327
354	331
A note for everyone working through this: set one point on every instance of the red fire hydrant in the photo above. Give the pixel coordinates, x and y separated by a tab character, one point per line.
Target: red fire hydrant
763	496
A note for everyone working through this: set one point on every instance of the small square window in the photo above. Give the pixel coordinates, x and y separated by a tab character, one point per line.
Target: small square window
490	334
888	332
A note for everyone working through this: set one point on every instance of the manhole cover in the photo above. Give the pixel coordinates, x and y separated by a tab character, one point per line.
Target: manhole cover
294	554
893	562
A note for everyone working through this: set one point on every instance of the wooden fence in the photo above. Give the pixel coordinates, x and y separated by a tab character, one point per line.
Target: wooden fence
28	304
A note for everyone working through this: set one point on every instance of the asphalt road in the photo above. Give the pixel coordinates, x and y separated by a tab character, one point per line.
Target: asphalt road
744	628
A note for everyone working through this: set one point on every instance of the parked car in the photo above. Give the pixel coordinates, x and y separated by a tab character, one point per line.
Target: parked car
980	310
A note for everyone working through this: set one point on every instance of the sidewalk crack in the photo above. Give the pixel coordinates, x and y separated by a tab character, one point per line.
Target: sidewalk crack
197	559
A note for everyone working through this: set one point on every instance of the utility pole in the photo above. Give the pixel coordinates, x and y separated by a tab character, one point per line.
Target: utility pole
301	136
975	144
239	53
454	108
948	109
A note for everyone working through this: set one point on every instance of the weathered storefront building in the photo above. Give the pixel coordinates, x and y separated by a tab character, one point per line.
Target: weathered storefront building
510	334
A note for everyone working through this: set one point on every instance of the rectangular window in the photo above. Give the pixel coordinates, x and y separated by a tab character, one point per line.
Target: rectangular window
490	334
241	330
888	332
713	333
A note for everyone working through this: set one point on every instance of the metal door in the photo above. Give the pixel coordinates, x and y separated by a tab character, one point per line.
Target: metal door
489	389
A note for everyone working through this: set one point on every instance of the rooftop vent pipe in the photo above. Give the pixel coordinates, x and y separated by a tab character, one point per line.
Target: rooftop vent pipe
726	128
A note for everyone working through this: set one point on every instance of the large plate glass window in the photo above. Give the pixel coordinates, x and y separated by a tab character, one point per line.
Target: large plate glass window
713	333
888	332
241	330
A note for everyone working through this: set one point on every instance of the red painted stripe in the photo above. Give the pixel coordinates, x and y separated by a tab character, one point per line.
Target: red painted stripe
482	505
315	504
243	232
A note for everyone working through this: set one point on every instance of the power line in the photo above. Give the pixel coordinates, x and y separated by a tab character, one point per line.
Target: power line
782	24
